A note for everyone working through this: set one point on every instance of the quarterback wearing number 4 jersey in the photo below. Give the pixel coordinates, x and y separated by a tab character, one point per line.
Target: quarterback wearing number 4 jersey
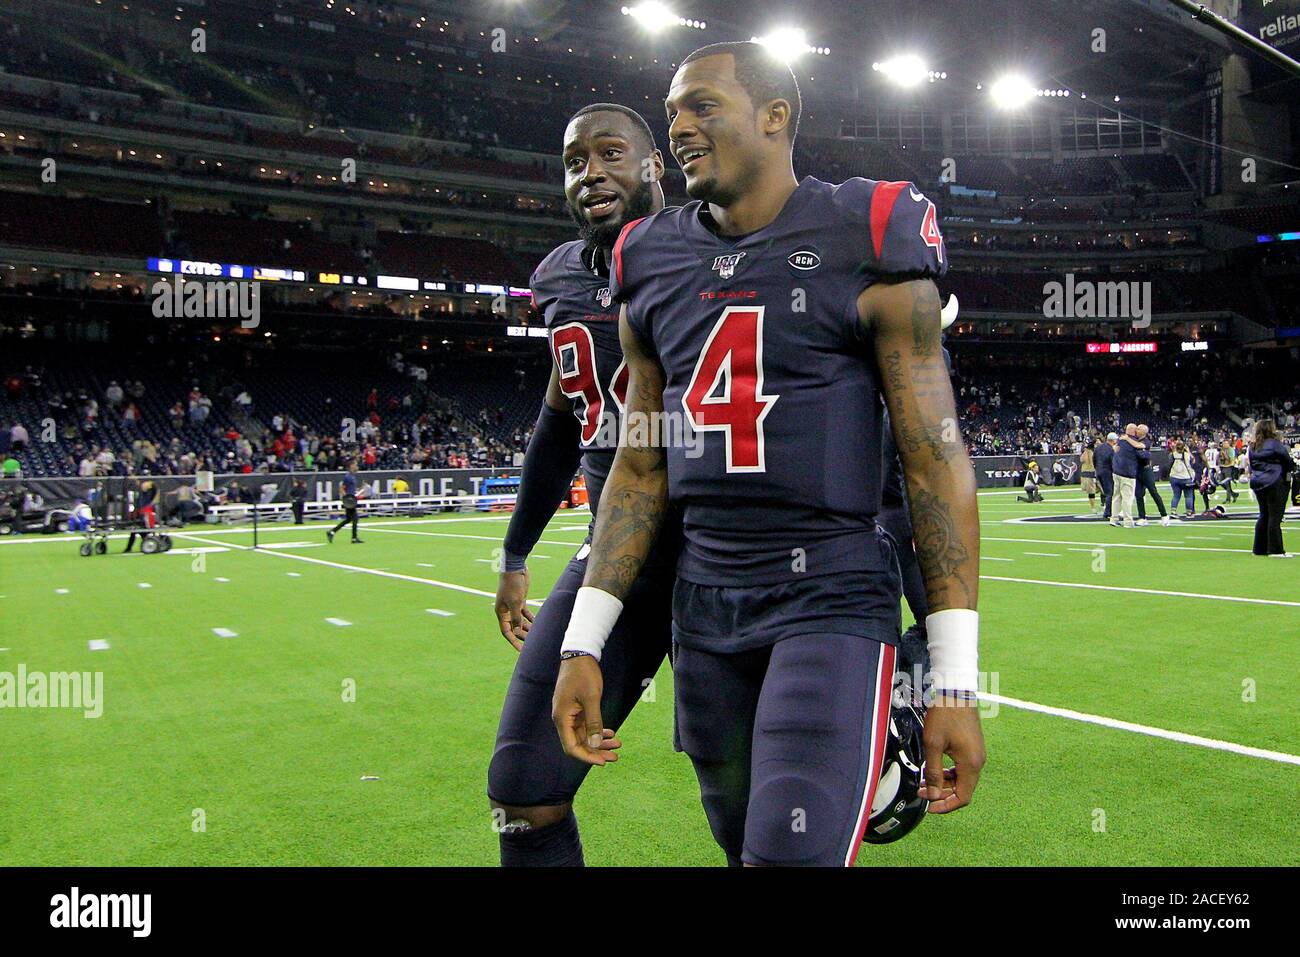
760	343
775	315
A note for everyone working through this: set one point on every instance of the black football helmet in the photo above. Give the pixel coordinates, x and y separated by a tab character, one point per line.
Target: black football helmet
897	808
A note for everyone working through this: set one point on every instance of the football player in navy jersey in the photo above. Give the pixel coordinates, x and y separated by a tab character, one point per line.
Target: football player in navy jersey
612	172
775	315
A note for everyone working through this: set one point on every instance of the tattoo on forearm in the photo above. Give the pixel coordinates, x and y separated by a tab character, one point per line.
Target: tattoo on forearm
940	552
626	528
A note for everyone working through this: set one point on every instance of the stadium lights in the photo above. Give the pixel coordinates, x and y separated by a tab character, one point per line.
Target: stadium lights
1011	91
907	70
789	43
655	16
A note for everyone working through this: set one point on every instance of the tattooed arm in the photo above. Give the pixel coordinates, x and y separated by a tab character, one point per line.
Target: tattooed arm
635	496
632	507
902	319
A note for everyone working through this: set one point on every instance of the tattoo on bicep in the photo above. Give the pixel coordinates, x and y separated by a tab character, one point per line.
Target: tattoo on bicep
911	436
939	548
925	319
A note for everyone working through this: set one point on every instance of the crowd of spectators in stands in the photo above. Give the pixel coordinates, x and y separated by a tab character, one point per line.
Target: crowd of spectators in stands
106	435
1021	405
1028	406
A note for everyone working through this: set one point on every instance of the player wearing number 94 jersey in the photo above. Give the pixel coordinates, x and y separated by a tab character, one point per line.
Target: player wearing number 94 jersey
612	172
774	315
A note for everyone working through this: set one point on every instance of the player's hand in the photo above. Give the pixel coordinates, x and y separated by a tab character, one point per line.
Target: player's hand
952	728
576	712
514	617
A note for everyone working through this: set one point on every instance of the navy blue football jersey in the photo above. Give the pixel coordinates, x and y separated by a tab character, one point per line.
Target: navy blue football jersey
571	291
765	359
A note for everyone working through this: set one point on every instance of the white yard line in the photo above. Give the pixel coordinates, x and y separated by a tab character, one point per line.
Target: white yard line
481	538
1179	736
1145	591
452	586
1067	541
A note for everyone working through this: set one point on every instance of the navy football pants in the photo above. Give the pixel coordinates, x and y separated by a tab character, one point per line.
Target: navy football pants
787	742
782	698
529	768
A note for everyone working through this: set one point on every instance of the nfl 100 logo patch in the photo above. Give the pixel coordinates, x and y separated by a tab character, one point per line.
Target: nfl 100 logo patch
725	266
603	297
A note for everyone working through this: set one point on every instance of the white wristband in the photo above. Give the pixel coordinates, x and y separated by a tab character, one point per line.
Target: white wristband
954	648
593	617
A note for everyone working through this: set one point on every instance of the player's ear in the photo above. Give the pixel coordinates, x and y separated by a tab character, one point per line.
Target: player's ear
776	116
657	165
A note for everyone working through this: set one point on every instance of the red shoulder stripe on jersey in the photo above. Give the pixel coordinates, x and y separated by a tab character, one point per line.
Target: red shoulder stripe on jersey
618	250
882	204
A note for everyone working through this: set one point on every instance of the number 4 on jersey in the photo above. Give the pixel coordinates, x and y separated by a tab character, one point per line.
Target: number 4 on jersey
726	392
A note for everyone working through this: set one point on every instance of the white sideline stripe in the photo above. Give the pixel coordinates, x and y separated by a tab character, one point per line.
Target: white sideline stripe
372	571
144	585
222	579
292	545
990	558
243	529
1166	548
1045	554
60	591
98	644
339	622
293	574
1144	591
481	538
225	633
1179	736
441	613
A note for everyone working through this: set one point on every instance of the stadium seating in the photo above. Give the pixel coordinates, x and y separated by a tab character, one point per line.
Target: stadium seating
80	225
263	242
466	260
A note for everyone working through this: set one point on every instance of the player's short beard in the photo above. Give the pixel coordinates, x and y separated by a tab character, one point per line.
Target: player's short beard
603	235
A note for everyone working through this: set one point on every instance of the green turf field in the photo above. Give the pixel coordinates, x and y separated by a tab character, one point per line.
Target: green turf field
242	749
